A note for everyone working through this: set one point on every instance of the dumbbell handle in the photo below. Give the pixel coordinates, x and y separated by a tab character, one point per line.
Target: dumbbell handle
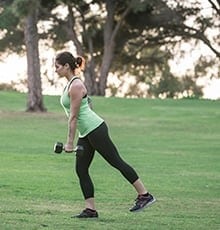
58	148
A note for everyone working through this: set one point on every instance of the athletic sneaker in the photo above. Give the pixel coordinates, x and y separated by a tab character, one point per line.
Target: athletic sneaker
142	201
87	213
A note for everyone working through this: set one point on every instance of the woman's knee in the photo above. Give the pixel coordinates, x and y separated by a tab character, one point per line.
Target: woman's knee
81	171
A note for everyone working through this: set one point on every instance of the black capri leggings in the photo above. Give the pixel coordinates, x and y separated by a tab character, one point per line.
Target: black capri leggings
100	141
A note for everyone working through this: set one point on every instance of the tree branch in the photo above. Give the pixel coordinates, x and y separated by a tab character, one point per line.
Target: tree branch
71	30
214	6
117	27
198	35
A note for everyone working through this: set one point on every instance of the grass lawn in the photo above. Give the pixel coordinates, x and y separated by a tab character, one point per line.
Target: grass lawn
173	144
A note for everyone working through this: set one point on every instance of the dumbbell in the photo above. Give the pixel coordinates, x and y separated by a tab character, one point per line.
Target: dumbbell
58	148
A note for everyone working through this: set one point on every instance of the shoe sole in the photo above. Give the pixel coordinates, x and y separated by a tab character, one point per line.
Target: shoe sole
147	205
85	218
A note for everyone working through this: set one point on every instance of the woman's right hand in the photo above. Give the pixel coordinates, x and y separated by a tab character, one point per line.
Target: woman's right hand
68	148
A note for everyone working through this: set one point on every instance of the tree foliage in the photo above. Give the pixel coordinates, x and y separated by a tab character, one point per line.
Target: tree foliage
124	36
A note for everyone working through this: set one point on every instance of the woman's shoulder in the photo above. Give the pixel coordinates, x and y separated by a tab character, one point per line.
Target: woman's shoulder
77	87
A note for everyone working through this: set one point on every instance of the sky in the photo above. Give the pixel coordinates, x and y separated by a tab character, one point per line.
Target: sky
13	67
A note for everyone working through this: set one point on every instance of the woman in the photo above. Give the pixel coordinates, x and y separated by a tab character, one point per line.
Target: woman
93	136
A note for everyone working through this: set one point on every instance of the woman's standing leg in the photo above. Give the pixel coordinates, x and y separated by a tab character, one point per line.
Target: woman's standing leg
83	162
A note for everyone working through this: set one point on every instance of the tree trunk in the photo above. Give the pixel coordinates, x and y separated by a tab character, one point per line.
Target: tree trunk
110	33
90	73
108	47
35	98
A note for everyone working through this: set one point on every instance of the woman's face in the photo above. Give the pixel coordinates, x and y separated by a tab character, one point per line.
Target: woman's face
61	70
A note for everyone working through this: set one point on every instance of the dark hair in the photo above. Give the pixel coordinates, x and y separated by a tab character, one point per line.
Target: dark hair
67	57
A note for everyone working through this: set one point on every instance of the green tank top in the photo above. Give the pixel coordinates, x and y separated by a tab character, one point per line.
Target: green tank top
87	119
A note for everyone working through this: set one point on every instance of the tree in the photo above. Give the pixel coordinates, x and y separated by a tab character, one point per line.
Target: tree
35	102
92	25
128	35
166	28
25	15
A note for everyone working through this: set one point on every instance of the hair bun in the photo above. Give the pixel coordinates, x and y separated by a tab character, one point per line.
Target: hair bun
79	61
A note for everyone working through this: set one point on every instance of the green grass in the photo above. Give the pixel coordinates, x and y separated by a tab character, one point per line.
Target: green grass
173	144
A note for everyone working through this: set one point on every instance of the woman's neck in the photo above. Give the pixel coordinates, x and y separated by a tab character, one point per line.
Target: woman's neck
76	73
